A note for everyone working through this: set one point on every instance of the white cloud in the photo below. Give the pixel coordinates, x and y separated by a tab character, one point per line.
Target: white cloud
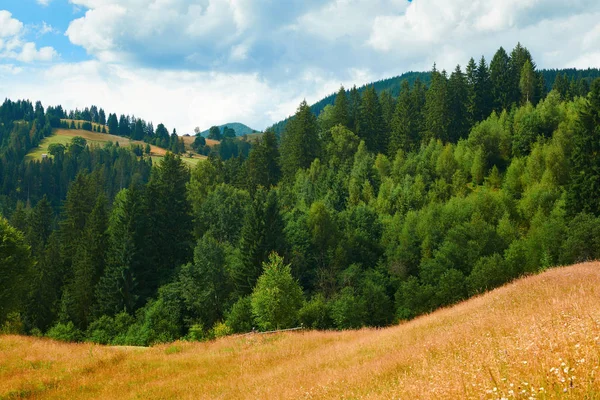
45	29
12	45
8	25
179	99
43	2
204	62
29	53
443	31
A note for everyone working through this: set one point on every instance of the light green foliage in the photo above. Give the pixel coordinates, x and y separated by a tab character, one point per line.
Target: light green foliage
65	332
15	268
277	297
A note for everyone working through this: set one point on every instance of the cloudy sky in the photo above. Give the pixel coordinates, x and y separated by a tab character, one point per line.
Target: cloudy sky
194	63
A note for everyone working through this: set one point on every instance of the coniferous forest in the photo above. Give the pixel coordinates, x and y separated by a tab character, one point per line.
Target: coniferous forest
388	203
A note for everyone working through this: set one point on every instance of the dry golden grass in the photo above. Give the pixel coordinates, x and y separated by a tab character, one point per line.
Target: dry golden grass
536	338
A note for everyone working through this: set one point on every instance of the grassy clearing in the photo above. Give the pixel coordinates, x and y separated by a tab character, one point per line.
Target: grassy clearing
536	338
192	162
64	136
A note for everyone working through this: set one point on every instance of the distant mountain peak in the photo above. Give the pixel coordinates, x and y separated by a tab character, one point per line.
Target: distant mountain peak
239	128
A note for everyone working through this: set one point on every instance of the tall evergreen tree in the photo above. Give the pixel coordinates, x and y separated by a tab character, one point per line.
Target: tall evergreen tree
169	215
341	109
404	133
262	166
88	266
300	143
262	233
371	126
113	124
458	98
582	195
437	116
502	82
481	102
354	110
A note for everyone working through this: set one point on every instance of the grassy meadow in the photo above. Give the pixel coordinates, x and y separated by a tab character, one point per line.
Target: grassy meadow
538	337
64	136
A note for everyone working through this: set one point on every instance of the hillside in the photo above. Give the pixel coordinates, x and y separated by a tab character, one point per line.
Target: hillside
64	137
535	338
393	85
240	129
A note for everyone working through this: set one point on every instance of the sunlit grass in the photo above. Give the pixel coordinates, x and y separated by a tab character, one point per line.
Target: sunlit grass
536	338
64	137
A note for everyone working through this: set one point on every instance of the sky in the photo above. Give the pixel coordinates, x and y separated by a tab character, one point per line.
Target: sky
189	63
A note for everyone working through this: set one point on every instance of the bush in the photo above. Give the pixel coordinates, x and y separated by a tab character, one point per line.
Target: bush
489	273
315	314
101	331
378	306
414	298
451	287
65	332
196	333
13	325
239	318
106	330
583	240
220	329
348	310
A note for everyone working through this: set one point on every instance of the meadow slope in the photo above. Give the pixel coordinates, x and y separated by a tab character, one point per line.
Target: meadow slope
538	337
64	136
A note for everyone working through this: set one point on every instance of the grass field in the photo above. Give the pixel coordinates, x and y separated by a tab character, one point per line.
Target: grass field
536	338
64	136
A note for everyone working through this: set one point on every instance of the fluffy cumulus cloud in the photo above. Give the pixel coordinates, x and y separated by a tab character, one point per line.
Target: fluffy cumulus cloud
12	45
179	99
203	62
451	31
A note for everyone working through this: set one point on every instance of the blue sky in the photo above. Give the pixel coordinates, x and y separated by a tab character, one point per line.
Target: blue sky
190	63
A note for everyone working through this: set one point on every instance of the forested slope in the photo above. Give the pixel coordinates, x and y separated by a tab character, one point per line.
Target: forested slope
378	210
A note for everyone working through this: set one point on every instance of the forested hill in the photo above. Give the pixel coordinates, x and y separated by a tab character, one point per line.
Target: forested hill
378	210
239	128
566	78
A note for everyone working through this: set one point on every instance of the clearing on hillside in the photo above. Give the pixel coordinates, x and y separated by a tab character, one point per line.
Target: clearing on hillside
538	337
64	136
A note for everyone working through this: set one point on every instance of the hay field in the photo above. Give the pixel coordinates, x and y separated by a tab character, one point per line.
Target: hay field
538	337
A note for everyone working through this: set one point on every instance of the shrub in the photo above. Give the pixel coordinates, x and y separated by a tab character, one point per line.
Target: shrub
220	329
315	314
348	310
239	318
65	332
488	273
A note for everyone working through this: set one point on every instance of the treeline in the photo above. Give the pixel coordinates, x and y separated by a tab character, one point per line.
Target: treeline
377	210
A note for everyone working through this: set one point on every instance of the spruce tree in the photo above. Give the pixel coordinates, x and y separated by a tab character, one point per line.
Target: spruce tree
404	132
262	233
371	127
582	194
458	98
482	93
341	109
437	119
501	81
300	143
